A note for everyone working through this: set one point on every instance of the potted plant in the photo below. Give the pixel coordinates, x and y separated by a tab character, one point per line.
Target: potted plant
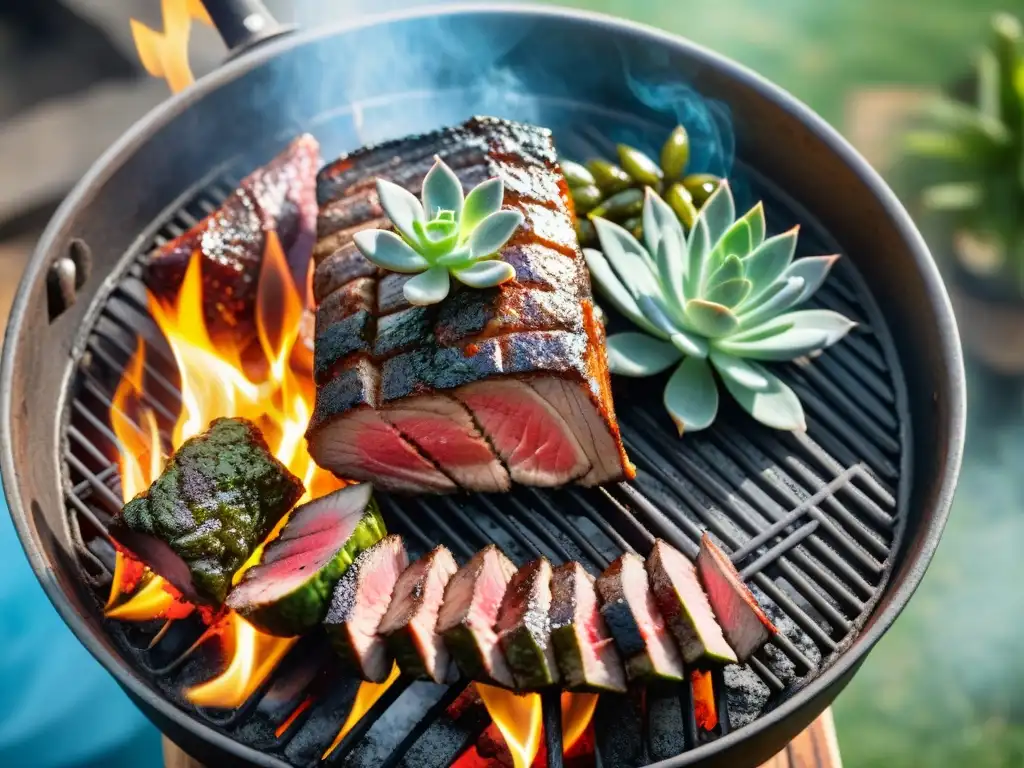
967	167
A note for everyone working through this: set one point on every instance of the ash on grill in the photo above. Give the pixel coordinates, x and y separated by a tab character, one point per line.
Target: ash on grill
809	519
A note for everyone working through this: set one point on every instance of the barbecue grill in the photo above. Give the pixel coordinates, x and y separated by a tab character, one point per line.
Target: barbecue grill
832	528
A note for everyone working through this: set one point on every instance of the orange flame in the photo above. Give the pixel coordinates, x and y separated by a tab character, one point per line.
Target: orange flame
253	656
577	712
704	700
366	697
165	54
518	717
213	384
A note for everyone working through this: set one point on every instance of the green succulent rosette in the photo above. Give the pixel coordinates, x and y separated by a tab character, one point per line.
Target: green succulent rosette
446	236
720	299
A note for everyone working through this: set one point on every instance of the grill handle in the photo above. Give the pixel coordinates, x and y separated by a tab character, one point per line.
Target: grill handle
243	24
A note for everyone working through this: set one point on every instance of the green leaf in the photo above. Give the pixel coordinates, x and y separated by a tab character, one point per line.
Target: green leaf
402	208
774	405
388	251
671	263
456	259
613	289
755	220
631	262
698	245
952	196
493	232
832	325
778	298
813	270
735	242
689	344
730	293
691	396
637	354
442	190
769	260
655	310
710	319
658	219
742	372
731	269
936	145
719	212
429	287
483	200
967	122
788	345
485	274
989	93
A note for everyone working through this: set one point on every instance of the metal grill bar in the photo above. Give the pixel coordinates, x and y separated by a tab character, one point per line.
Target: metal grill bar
809	518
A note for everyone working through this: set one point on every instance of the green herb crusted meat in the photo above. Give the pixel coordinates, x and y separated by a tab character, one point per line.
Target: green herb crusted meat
217	499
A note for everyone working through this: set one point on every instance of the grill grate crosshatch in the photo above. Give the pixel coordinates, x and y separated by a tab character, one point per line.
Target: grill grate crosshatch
811	520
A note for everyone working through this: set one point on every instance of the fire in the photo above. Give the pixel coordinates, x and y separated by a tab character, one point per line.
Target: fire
518	717
165	54
213	384
253	656
577	712
704	710
366	697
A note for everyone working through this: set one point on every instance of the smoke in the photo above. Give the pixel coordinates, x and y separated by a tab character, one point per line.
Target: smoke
439	71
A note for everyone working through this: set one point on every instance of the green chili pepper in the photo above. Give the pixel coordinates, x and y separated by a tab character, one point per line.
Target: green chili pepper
609	177
675	154
640	167
681	201
576	175
701	185
586	197
621	205
585	232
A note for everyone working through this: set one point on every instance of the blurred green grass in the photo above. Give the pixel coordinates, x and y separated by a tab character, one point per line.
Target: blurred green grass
945	687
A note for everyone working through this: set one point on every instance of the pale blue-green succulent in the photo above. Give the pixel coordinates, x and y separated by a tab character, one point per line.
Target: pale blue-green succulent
446	234
720	299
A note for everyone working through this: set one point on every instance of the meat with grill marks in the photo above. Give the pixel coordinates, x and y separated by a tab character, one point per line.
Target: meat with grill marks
279	197
489	386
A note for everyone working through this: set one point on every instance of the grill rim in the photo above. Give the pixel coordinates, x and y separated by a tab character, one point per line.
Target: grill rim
772	726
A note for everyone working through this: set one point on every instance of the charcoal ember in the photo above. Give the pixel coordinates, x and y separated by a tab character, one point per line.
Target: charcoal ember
746	695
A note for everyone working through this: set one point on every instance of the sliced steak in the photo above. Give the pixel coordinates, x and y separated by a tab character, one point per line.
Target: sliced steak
685	607
584	648
471	602
288	592
531	437
628	607
524	627
360	600
409	625
444	431
744	624
217	499
536	328
279	197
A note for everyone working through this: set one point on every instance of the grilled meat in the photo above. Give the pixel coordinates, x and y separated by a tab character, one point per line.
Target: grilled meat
529	349
289	591
217	499
410	622
586	654
470	611
685	607
360	600
628	607
280	197
524	626
744	624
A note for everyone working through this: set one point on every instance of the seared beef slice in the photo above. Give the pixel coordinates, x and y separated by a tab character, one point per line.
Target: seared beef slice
487	387
279	197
